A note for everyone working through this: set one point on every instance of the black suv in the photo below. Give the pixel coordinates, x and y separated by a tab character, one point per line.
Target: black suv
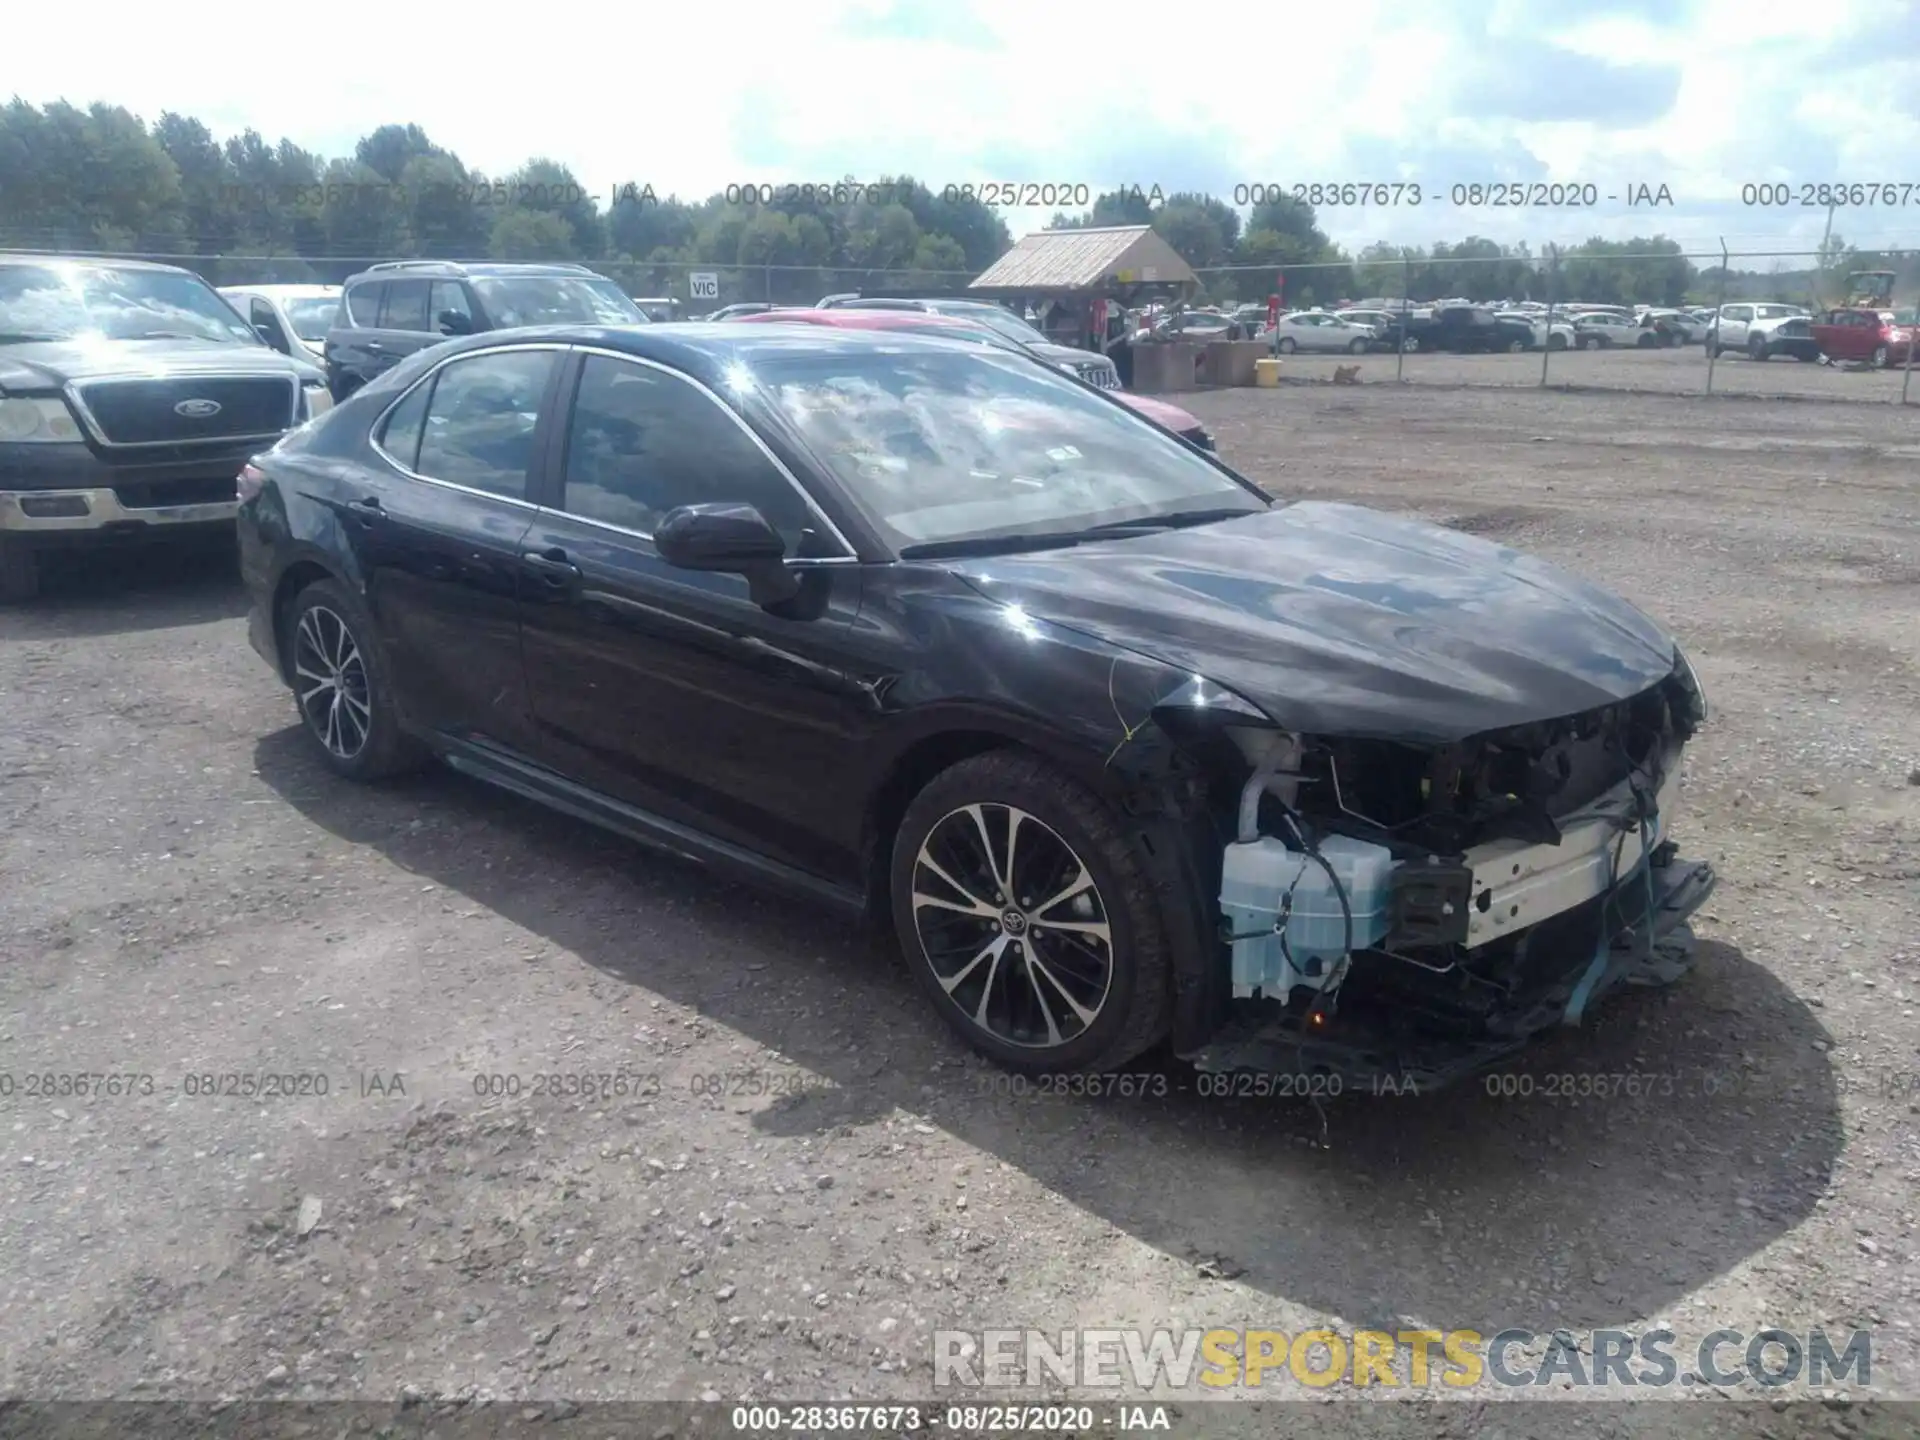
131	395
393	310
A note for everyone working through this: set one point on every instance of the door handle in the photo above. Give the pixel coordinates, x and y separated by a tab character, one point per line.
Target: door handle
366	510
552	566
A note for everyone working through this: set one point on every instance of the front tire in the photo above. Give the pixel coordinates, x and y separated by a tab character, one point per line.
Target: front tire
1358	347
1757	349
1591	342
19	571
341	688
1882	357
1027	917
1556	342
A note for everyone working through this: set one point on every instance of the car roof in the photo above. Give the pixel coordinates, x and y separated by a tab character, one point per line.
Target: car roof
104	262
706	348
849	318
479	270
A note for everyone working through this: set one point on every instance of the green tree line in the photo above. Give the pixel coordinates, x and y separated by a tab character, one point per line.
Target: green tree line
100	179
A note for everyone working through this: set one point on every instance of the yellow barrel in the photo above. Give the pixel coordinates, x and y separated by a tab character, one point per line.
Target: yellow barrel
1266	372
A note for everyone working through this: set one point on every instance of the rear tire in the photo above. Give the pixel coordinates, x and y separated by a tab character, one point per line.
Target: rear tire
1757	349
1556	342
1882	357
1286	345
1591	342
341	689
1070	975
1358	347
19	571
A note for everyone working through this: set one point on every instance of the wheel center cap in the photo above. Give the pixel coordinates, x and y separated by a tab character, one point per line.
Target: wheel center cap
1014	922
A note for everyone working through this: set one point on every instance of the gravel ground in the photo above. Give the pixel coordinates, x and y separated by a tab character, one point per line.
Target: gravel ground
1662	372
184	891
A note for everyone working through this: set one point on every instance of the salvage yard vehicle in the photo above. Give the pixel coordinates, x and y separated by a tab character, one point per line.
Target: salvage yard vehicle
1732	327
130	396
1463	330
1315	330
1794	335
1124	749
1160	412
293	319
400	307
1095	369
1604	330
1880	337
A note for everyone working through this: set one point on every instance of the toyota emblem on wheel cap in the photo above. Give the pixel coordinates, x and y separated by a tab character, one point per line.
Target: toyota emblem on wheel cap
197	409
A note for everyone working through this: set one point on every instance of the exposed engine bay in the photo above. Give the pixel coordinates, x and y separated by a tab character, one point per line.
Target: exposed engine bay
1421	911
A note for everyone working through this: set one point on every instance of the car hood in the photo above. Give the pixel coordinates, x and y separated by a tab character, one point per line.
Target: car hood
1337	620
55	362
1171	417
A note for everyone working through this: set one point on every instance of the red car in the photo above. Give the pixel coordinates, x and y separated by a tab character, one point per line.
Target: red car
1168	417
1881	336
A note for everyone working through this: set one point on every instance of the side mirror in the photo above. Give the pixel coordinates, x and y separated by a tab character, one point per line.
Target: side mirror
452	322
272	336
730	539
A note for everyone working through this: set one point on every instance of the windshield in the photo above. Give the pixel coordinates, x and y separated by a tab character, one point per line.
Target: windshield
76	302
555	300
1001	322
983	444
312	316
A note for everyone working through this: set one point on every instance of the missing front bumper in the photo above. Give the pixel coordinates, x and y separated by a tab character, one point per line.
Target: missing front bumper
1644	940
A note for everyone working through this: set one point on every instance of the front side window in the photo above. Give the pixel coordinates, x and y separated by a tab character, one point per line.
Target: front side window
980	444
642	442
481	418
451	313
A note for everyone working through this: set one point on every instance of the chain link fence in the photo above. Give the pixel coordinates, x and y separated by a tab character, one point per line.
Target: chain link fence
1803	337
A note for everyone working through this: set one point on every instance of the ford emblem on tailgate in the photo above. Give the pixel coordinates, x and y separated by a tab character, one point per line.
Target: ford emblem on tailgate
197	409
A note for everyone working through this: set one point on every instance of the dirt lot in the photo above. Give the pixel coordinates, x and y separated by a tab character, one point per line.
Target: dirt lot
1661	372
183	891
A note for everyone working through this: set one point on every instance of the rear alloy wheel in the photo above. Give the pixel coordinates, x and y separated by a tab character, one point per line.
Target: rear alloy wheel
1881	356
19	571
1026	916
1287	345
340	687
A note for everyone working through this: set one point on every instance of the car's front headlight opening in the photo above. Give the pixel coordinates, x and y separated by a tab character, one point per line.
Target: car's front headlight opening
38	419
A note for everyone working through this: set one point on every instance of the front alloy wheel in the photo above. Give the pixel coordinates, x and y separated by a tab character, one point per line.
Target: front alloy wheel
1012	925
1025	913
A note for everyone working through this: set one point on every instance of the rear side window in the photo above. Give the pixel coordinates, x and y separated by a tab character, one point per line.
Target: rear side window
480	421
363	303
406	307
399	434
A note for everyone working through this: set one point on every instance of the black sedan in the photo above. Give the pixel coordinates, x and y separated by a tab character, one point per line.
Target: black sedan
1122	749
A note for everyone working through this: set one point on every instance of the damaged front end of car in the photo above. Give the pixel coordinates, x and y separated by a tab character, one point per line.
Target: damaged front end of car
1418	911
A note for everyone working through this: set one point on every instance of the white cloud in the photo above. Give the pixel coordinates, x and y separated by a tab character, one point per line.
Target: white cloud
1698	94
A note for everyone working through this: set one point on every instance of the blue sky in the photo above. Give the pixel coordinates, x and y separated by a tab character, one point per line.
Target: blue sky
1700	96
